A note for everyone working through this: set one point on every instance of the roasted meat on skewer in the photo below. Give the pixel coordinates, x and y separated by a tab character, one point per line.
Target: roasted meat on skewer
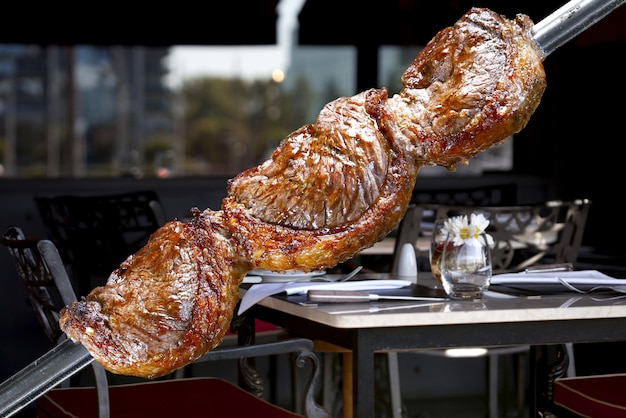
167	304
330	190
336	187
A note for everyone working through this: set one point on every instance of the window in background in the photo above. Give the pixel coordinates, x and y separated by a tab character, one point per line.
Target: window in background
106	111
82	111
90	111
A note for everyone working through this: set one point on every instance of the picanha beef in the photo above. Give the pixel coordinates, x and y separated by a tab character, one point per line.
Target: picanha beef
330	190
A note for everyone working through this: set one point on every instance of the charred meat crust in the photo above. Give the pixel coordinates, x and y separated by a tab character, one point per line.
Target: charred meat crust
330	190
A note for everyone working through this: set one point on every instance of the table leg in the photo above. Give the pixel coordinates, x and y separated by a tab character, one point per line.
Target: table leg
348	388
363	376
538	380
346	366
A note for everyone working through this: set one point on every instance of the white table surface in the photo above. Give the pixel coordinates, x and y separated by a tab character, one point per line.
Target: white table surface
494	320
494	307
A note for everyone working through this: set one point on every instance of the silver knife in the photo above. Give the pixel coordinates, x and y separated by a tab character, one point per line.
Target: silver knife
548	268
357	296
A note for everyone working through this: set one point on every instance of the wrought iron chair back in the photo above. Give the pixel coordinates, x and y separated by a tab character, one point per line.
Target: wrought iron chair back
49	289
547	232
94	234
43	278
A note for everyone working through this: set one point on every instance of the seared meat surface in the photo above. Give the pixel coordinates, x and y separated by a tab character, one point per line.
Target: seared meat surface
334	188
330	190
167	304
475	84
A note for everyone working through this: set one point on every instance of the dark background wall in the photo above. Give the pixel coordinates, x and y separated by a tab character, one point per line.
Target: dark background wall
574	139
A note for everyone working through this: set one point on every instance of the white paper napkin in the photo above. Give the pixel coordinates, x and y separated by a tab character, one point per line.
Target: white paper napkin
260	291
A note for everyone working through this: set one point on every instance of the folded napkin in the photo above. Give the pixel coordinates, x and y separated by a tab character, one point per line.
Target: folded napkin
260	291
549	281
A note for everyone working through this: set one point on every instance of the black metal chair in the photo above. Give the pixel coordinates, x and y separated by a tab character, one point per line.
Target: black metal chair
524	235
94	234
488	195
49	288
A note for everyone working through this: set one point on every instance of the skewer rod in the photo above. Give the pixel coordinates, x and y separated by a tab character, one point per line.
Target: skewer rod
569	21
43	374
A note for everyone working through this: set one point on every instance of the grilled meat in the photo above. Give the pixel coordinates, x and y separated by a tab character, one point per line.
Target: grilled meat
330	190
334	188
167	304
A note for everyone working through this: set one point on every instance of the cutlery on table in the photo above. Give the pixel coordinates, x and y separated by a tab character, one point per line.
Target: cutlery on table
618	289
358	296
545	268
343	279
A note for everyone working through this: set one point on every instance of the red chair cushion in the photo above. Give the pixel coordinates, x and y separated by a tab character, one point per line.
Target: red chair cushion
193	397
259	326
592	396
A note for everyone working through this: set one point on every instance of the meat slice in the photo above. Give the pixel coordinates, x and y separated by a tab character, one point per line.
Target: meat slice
167	304
330	190
337	187
474	85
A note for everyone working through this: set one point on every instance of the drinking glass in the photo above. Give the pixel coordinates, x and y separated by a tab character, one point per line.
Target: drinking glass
466	267
437	241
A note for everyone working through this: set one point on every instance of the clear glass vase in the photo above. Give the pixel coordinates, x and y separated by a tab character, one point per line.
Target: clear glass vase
437	241
466	267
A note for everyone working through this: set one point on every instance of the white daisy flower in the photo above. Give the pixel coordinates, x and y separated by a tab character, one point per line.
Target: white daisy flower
464	230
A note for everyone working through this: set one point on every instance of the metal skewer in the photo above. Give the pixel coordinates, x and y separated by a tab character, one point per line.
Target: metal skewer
58	364
570	20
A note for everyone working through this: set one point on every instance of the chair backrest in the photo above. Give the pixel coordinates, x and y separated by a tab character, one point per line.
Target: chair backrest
487	195
94	234
547	232
44	276
49	289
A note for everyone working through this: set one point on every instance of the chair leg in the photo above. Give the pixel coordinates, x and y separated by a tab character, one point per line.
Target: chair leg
102	390
394	385
348	411
331	352
493	385
571	366
327	394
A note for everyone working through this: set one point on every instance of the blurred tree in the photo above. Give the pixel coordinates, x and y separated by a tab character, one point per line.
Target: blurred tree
232	124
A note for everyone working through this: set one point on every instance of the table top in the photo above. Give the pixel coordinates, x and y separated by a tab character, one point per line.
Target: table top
498	319
494	307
